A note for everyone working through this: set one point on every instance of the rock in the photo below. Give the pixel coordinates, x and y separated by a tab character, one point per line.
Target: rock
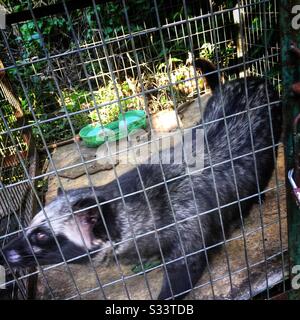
99	178
68	155
165	121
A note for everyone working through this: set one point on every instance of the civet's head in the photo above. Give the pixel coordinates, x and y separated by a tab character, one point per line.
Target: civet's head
68	235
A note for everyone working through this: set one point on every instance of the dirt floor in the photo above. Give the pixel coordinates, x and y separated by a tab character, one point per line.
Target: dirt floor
252	261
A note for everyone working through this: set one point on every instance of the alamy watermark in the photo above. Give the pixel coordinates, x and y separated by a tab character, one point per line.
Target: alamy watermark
180	147
296	18
2	277
2	17
296	277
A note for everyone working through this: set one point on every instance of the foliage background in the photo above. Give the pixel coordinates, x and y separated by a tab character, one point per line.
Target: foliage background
60	88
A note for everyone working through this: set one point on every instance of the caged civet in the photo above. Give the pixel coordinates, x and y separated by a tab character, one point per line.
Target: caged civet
243	125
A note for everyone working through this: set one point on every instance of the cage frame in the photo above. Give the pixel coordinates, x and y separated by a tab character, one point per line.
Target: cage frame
32	13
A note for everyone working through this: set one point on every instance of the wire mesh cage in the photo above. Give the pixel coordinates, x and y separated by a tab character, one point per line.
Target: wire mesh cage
72	64
17	201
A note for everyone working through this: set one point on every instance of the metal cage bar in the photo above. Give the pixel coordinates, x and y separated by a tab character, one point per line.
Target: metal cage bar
127	53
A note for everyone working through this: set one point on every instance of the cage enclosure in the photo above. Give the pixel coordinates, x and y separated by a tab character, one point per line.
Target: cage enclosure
70	64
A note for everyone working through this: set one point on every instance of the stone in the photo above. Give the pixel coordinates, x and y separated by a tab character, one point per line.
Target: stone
69	155
165	121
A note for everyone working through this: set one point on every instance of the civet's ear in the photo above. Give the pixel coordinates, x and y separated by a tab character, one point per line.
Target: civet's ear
59	191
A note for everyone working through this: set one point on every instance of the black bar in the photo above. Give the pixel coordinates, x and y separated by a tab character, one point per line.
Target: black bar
45	11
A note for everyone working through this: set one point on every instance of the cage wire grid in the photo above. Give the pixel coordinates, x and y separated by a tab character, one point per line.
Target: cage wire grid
185	29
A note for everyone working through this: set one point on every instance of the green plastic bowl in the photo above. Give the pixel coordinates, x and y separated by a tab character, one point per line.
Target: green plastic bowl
93	135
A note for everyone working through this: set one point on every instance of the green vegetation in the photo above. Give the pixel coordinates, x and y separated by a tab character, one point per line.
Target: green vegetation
57	90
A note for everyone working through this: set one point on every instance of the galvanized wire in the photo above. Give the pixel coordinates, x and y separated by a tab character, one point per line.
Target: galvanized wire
100	47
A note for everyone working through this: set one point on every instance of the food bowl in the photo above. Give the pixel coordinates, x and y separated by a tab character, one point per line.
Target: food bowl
94	135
